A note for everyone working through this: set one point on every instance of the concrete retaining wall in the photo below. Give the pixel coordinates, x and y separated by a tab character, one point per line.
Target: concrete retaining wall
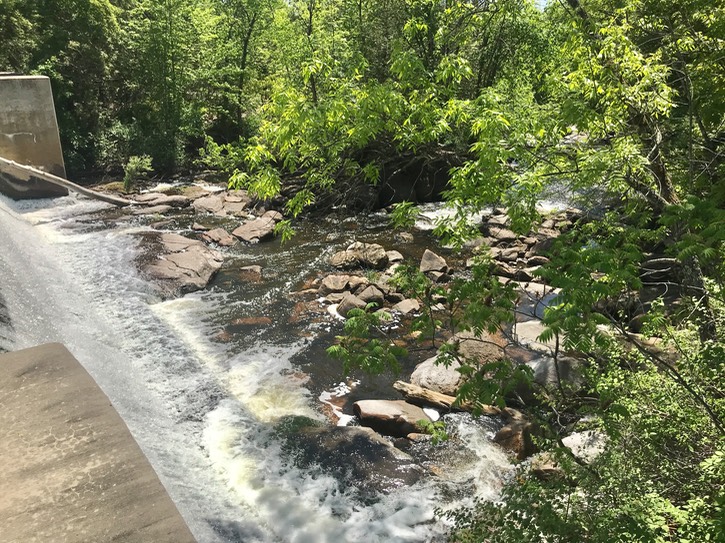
29	134
71	471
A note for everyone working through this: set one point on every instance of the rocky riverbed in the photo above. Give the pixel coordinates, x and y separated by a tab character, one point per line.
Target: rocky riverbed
230	328
199	225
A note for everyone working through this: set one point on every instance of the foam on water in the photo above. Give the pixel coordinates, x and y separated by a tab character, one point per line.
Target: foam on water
203	412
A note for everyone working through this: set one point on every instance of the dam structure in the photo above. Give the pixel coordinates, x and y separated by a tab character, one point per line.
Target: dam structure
29	136
72	470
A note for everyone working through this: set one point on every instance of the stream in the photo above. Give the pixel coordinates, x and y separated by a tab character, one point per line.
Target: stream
203	380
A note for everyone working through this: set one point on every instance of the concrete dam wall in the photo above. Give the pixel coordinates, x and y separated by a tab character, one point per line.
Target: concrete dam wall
72	472
29	135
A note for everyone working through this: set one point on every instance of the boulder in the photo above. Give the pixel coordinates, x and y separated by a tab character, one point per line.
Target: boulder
223	204
174	200
510	254
516	437
431	262
391	417
220	237
537	260
407	306
545	373
255	230
251	274
439	277
276	216
394	256
147	197
336	297
235	203
214	203
152	210
502	235
334	283
481	350
372	294
360	255
349	302
355	455
437	377
183	265
545	467
586	445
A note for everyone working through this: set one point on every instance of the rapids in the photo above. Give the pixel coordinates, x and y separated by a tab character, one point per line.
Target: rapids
201	380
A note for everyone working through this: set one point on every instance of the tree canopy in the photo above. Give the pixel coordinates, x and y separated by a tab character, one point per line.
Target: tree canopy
619	104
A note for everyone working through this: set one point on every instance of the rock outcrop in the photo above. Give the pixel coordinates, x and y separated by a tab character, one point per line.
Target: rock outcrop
360	255
391	417
183	265
259	229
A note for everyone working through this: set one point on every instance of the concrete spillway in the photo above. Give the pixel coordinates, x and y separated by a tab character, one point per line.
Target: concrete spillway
71	470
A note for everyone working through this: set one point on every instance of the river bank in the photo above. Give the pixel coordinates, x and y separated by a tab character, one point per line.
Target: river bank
229	366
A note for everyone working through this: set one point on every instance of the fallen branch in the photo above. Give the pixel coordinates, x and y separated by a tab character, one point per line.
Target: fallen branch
24	173
422	396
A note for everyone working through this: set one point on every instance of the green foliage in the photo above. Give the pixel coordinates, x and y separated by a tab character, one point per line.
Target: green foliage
366	344
136	168
437	429
620	103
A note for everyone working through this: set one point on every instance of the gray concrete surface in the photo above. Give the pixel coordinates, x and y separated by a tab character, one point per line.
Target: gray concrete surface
29	135
71	471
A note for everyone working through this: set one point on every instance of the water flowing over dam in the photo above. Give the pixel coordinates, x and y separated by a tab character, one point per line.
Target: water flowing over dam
203	397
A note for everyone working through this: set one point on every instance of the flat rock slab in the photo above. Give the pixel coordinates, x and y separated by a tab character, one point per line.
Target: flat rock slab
256	230
183	265
391	417
71	470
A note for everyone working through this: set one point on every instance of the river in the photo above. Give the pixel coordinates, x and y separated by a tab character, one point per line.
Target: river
202	380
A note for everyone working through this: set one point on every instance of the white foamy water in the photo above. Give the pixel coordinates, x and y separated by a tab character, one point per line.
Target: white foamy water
202	412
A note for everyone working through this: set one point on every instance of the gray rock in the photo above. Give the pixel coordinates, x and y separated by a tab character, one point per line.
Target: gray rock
336	297
235	203
499	220
334	283
437	377
276	216
355	455
537	260
220	237
214	203
256	230
147	197
439	277
407	306
508	255
391	417
172	200
545	372
586	445
517	437
360	255
372	294
183	265
502	235
394	256
431	262
252	274
348	303
152	210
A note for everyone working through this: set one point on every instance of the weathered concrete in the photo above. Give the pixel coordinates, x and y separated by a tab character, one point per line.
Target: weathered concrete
29	135
71	470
